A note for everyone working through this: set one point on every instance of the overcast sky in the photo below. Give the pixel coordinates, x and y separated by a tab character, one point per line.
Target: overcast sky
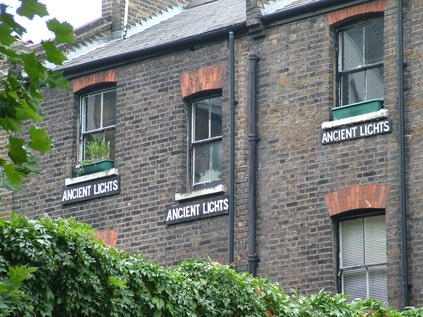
76	12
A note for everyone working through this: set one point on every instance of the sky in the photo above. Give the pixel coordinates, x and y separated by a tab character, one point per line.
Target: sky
75	12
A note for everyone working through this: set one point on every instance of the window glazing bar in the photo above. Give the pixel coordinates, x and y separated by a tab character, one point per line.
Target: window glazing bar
213	139
363	67
98	130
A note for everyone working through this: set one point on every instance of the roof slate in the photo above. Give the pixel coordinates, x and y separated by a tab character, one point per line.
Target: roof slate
190	22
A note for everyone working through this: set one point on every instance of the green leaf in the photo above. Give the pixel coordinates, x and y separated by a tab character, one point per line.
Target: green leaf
33	68
63	31
10	124
53	54
31	166
12	174
5	183
56	79
117	282
30	8
21	273
8	52
9	20
5	35
17	153
40	141
28	111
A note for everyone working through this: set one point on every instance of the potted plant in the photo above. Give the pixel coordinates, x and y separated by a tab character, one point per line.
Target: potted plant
97	153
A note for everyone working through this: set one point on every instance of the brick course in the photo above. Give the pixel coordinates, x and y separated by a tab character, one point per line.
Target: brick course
296	88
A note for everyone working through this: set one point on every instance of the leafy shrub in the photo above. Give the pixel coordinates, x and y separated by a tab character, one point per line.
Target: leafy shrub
58	268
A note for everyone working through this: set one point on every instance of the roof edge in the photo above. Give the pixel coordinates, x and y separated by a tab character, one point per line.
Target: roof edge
130	57
296	13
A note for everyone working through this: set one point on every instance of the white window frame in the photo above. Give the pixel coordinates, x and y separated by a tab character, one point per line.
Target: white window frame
357	268
194	143
341	70
82	120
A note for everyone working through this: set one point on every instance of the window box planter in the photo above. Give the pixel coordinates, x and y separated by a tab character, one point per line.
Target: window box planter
356	109
94	167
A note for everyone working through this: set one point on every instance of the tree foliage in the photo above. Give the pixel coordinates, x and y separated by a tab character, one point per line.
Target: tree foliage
23	74
62	270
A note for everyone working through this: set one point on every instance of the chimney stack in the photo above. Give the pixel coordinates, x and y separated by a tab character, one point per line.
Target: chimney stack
138	10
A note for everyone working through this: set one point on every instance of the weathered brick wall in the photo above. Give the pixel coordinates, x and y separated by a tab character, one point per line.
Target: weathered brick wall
138	10
296	89
5	195
295	92
296	236
414	141
241	153
142	10
392	156
151	158
262	3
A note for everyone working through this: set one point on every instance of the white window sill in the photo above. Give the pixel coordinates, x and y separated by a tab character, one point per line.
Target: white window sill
201	192
380	114
85	178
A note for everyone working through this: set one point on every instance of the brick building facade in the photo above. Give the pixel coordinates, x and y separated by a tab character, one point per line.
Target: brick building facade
312	163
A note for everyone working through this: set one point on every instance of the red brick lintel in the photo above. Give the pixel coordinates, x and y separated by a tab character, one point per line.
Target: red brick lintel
107	76
203	79
357	197
108	236
339	16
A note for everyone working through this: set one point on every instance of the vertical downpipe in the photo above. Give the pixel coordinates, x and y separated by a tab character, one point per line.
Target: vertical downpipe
252	163
403	191
232	147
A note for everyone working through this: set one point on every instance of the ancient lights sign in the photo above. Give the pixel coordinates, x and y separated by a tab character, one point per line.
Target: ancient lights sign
356	132
101	187
197	210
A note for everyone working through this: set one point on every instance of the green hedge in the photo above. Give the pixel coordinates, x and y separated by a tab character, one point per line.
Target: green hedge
58	268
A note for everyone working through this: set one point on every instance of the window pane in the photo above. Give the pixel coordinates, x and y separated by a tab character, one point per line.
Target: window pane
353	87
216	116
374	42
374	83
202	163
216	171
354	284
378	284
353	48
99	146
109	108
375	239
92	112
201	112
110	136
351	235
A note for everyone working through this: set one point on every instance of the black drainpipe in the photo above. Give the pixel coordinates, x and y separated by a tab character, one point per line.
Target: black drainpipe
252	164
403	192
232	147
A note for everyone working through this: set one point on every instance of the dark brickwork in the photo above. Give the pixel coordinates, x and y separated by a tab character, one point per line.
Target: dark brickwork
142	10
296	89
138	10
414	138
151	158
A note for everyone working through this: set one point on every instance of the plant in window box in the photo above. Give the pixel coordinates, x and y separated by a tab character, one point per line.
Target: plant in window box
97	153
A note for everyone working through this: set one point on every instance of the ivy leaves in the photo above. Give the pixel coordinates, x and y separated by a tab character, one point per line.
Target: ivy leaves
70	273
21	83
